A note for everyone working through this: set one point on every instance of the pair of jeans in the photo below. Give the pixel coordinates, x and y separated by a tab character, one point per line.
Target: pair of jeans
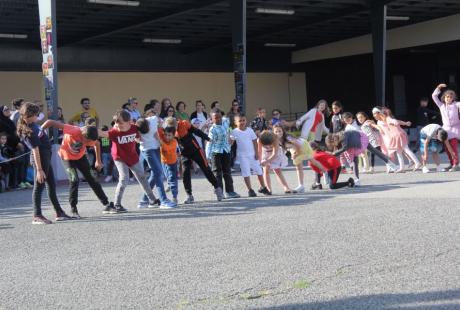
123	180
200	159
50	183
72	167
106	161
171	177
221	166
152	157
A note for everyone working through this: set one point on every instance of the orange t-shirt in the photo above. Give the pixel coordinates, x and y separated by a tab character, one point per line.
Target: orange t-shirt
168	150
72	147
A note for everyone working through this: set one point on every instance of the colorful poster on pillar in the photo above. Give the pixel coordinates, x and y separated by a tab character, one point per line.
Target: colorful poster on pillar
48	46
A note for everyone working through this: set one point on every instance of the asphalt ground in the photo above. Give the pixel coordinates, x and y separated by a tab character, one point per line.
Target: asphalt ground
392	243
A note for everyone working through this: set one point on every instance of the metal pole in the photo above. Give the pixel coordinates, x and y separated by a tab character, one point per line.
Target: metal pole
238	16
379	43
48	37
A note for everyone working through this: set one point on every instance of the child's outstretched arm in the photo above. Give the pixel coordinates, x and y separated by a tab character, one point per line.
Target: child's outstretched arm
50	123
97	150
256	149
199	133
436	93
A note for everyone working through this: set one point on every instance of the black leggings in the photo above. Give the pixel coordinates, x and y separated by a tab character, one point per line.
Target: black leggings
333	176
201	161
50	183
83	166
377	151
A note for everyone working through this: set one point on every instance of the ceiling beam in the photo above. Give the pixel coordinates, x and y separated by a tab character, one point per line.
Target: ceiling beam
352	9
161	16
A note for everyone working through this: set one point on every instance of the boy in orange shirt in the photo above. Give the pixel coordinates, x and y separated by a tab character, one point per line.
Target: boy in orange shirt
168	151
72	153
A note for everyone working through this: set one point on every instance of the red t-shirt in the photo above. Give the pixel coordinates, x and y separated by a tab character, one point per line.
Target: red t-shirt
327	160
124	145
318	119
72	147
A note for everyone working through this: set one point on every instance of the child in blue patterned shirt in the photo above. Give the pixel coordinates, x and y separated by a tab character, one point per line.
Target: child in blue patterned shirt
219	149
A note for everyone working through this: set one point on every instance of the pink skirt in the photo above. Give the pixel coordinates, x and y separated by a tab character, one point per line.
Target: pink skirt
350	154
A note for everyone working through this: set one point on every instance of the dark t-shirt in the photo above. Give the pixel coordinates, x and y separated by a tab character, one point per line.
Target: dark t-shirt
38	138
425	116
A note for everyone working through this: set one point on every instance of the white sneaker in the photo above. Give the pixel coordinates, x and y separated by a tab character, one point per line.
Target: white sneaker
440	169
168	205
392	166
142	205
357	183
108	179
425	169
300	189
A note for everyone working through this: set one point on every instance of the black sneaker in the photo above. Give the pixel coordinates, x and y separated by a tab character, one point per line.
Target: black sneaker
110	209
252	193
62	217
351	182
264	190
316	186
120	209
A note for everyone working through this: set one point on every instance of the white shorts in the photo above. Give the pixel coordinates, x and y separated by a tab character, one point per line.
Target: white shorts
248	163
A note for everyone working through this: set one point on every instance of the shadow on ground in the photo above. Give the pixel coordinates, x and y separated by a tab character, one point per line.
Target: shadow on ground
446	300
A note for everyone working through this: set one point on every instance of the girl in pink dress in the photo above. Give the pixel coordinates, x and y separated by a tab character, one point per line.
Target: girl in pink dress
450	112
394	138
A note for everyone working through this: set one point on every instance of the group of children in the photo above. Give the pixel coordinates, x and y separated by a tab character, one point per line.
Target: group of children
162	140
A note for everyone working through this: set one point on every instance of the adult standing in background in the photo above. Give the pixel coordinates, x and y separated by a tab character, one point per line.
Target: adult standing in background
180	111
41	116
260	123
7	126
200	114
86	112
312	124
234	111
155	105
16	103
165	104
135	114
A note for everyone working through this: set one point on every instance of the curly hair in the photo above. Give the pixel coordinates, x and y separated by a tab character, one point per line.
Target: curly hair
28	109
267	137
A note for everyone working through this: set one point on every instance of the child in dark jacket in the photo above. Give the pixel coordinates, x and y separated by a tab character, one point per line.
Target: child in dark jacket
192	152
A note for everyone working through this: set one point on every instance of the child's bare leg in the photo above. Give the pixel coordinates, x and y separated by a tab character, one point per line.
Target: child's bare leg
268	182
436	159
281	179
300	174
261	180
247	181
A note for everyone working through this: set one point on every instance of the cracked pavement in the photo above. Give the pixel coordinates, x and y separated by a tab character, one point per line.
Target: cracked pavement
391	244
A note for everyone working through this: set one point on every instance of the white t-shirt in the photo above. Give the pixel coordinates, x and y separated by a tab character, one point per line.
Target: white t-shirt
243	139
148	140
430	130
